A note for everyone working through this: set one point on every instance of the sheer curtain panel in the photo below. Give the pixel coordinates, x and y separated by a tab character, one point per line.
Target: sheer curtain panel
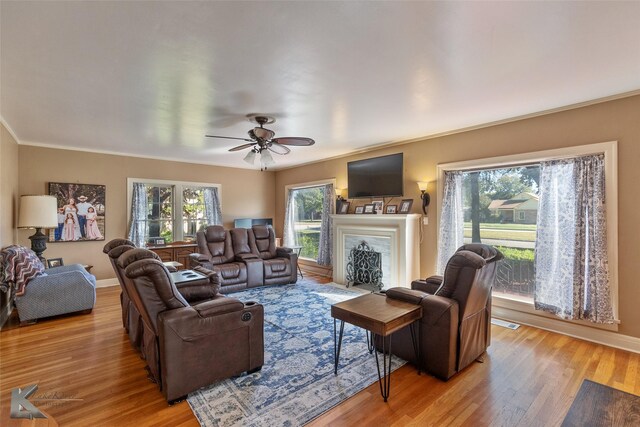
289	232
212	210
571	264
139	213
325	248
451	232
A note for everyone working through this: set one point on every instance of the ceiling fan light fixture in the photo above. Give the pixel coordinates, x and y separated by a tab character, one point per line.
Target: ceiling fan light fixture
266	160
250	157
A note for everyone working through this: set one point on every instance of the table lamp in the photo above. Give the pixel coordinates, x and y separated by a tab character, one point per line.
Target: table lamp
38	212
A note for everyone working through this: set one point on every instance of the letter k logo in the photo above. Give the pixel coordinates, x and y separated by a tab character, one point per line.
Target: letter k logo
21	407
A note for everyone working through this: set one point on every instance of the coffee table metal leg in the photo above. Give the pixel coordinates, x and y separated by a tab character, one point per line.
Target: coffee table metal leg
337	344
415	340
385	379
369	341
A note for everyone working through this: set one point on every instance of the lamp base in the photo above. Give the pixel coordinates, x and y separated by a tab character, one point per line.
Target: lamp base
39	243
426	199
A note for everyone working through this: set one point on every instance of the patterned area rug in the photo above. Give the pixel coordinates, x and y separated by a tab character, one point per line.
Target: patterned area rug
296	383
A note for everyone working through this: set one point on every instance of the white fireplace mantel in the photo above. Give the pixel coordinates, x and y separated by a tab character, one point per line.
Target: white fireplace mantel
397	237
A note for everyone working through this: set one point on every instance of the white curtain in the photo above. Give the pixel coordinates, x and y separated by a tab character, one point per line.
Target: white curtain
212	210
572	272
325	247
451	232
289	233
138	228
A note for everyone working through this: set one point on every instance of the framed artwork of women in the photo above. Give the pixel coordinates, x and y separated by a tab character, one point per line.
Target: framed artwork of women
81	212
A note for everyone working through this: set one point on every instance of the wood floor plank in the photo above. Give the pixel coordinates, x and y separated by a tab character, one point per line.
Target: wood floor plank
529	378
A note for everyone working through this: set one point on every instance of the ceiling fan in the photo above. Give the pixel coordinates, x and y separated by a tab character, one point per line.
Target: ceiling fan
261	141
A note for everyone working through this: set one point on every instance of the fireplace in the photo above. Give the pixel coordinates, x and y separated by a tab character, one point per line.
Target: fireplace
395	237
364	266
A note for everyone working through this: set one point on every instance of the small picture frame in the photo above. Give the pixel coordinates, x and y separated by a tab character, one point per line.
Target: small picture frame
54	262
405	206
158	241
391	209
344	207
377	206
359	209
369	208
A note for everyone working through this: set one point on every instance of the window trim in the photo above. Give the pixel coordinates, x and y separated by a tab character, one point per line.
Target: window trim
177	187
610	151
301	186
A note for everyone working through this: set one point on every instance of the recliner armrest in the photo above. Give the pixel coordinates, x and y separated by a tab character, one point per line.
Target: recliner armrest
407	295
218	306
198	257
245	257
430	285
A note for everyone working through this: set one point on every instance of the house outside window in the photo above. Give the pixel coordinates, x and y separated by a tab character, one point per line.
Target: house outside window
500	207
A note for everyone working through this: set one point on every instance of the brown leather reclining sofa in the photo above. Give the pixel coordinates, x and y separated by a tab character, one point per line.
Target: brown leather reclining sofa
185	342
245	258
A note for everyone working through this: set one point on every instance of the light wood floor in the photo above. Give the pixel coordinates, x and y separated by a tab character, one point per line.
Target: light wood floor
529	378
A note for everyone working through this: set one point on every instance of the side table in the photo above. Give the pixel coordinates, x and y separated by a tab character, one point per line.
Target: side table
379	316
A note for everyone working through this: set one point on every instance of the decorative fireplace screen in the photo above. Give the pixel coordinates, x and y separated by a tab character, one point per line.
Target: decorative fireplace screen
364	266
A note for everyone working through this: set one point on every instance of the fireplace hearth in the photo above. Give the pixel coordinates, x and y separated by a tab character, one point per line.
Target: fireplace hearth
364	266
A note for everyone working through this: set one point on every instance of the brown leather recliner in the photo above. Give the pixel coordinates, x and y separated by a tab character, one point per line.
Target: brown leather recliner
192	291
280	264
191	346
455	328
130	316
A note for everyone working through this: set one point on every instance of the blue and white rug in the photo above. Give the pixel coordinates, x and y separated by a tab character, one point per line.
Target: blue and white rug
296	383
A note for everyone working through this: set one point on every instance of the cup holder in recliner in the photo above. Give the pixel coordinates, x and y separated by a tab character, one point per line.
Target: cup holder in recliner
250	303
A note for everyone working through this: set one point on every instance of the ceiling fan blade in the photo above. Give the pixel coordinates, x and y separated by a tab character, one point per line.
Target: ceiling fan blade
229	137
293	140
278	148
242	147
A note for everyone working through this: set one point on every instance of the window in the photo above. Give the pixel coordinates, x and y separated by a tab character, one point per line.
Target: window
307	219
160	213
500	207
193	212
175	211
496	200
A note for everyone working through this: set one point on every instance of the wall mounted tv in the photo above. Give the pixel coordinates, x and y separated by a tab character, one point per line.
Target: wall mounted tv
375	177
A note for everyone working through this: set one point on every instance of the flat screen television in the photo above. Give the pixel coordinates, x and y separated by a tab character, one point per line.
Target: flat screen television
375	177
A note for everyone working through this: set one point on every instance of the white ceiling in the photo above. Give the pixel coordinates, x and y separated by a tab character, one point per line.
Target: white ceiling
152	78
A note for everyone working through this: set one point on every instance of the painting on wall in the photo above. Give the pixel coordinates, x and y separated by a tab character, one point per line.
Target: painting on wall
81	212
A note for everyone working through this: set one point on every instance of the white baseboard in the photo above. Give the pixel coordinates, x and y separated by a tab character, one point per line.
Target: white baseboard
599	336
104	283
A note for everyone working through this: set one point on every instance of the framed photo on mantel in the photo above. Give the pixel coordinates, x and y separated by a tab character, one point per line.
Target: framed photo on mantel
405	206
344	207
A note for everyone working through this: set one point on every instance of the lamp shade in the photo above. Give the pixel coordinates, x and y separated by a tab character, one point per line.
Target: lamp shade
38	212
266	159
423	185
250	157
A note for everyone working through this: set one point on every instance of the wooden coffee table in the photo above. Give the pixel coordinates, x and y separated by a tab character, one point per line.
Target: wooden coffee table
380	316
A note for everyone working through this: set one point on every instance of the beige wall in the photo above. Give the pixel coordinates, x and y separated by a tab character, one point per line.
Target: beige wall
8	203
8	187
614	120
245	193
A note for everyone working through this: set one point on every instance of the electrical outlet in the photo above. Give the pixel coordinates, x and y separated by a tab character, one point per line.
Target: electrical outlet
425	220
